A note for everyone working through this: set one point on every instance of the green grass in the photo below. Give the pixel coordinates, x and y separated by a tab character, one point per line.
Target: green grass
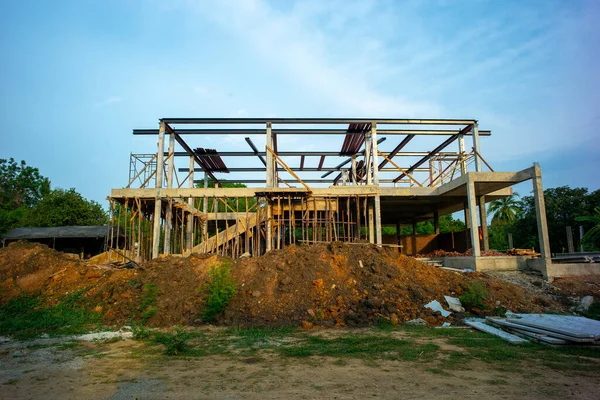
26	316
372	345
148	305
360	346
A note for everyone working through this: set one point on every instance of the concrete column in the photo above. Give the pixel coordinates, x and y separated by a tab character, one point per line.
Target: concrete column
475	131
484	226
169	211
157	199
473	218
354	170
461	150
375	167
467	223
436	222
190	218
540	213
371	215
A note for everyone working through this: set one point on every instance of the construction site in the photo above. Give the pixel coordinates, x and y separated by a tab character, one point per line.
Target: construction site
358	188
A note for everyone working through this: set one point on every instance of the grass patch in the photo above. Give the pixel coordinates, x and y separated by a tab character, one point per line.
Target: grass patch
148	306
474	295
26	316
360	346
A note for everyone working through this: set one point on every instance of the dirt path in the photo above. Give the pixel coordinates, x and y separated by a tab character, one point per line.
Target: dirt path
55	369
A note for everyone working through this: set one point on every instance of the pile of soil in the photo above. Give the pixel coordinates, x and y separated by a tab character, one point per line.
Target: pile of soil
321	285
353	285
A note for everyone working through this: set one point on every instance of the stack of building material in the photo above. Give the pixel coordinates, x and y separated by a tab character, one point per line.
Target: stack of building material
550	328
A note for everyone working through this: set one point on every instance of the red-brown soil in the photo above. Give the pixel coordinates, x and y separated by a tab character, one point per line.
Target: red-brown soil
321	285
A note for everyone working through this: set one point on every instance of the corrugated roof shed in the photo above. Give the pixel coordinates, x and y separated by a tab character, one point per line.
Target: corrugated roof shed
60	232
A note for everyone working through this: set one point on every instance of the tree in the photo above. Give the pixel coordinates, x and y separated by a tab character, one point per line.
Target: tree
506	209
65	208
21	187
593	235
563	206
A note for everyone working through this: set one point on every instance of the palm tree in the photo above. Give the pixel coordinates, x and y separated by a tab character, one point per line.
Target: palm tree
593	234
505	210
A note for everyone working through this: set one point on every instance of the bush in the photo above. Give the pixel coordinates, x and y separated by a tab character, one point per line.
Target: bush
218	291
474	295
175	344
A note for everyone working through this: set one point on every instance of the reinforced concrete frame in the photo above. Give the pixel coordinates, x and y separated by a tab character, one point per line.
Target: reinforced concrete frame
163	216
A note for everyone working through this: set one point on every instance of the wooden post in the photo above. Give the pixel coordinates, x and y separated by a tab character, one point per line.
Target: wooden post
475	132
271	182
377	200
169	212
190	218
354	169
205	210
473	217
157	199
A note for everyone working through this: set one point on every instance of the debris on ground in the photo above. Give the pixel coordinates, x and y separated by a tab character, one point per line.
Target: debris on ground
479	324
551	328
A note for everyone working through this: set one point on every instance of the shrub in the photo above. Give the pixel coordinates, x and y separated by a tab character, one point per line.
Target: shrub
218	291
175	344
474	295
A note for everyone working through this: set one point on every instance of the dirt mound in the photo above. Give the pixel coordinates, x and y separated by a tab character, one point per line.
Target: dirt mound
337	285
325	285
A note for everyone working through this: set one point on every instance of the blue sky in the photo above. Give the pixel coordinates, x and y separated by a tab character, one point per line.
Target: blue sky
78	76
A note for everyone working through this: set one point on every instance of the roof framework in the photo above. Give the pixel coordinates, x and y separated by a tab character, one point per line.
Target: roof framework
364	188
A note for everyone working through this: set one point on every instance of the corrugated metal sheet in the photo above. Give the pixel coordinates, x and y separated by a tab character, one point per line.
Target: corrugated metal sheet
59	232
211	163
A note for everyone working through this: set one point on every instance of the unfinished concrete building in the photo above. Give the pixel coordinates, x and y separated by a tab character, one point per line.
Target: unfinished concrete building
169	210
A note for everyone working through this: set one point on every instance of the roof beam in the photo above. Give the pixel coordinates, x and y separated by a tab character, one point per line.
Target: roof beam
397	149
406	121
308	154
316	131
253	147
433	152
188	150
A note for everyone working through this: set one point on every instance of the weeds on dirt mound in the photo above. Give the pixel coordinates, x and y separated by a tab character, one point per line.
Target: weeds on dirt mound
218	291
26	316
148	306
474	295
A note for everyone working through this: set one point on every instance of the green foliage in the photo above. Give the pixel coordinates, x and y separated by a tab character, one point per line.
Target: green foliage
218	291
593	235
594	311
563	206
21	187
176	344
148	306
65	208
26	316
505	210
474	295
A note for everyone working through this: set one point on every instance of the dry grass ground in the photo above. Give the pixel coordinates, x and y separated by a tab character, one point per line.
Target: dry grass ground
256	364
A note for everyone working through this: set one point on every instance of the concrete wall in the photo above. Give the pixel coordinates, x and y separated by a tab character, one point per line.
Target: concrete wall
482	264
572	269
